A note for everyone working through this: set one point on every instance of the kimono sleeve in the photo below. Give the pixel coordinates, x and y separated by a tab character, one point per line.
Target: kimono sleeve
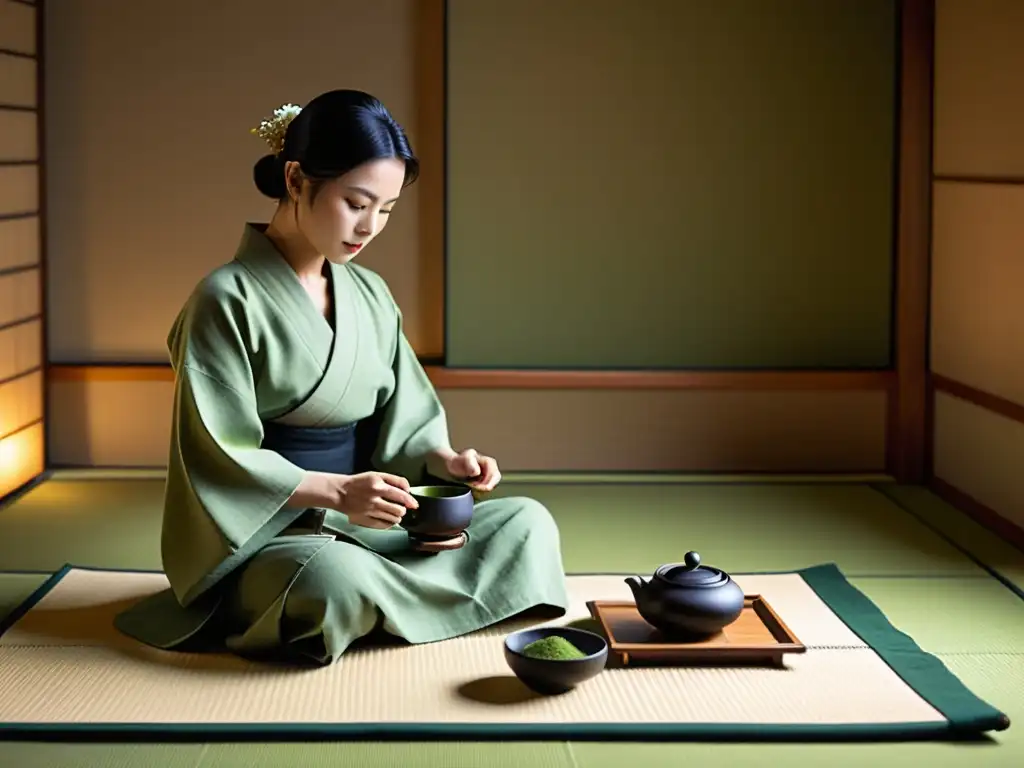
225	496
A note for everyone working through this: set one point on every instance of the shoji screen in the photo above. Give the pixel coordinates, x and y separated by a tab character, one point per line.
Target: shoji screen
21	327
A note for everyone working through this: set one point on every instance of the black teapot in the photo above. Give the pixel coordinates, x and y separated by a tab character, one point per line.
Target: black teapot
688	600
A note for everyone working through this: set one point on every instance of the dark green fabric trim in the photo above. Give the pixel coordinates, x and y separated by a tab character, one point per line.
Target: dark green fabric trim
38	594
452	731
967	715
925	673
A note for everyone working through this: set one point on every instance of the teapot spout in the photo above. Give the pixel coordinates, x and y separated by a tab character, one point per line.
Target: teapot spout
636	584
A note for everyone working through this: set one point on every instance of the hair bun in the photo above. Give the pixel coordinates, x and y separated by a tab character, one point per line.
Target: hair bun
268	174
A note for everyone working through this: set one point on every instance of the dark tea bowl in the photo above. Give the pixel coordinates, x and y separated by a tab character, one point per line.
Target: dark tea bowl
445	511
551	677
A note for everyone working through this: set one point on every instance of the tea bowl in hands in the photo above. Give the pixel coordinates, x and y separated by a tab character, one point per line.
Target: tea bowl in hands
444	511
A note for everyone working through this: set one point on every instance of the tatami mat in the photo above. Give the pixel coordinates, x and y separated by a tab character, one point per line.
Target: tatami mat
65	664
606	527
997	677
869	531
980	543
745	528
951	615
1000	678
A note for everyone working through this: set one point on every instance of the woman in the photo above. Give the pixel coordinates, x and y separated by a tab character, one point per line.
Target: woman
302	415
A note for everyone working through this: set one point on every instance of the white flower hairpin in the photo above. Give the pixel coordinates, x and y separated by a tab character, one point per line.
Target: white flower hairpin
273	128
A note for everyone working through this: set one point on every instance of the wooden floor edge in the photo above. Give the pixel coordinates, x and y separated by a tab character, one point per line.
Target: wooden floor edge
8	499
983	515
460	378
979	397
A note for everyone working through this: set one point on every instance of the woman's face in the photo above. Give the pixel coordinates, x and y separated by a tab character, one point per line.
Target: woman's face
348	212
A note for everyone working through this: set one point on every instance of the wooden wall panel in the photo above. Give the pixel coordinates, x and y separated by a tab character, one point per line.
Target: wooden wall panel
977	329
977	322
978	452
102	417
979	112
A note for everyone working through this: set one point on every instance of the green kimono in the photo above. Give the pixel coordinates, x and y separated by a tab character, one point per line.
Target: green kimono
251	351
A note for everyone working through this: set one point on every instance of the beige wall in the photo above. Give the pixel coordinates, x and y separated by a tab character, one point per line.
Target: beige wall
150	157
126	423
977	332
149	182
21	378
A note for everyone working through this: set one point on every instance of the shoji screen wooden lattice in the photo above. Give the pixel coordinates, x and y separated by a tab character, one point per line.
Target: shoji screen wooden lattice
22	430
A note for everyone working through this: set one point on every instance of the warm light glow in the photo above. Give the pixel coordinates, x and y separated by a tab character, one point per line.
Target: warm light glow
21	458
21	402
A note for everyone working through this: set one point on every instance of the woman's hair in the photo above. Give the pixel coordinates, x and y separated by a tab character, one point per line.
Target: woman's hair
334	133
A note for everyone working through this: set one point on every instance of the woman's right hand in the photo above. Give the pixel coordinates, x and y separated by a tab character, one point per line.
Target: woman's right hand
375	499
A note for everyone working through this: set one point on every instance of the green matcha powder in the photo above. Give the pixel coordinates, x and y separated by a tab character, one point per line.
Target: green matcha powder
553	648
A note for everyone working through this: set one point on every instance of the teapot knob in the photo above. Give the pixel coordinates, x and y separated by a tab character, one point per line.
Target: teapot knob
691	560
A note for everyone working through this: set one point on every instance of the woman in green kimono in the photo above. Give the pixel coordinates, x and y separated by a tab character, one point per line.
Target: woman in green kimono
302	415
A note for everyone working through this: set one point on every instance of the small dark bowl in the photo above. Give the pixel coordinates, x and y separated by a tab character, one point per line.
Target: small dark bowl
444	511
550	677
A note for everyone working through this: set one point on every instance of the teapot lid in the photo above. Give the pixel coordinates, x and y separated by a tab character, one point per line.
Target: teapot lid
690	573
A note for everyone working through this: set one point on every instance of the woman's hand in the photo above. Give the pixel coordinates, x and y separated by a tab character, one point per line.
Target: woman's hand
479	472
374	499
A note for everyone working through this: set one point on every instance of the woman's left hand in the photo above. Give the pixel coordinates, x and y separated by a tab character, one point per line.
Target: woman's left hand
479	472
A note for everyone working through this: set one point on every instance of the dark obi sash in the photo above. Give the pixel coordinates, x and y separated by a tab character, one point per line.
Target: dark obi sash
314	449
344	450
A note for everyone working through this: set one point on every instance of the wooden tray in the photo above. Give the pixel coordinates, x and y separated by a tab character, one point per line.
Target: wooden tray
758	636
